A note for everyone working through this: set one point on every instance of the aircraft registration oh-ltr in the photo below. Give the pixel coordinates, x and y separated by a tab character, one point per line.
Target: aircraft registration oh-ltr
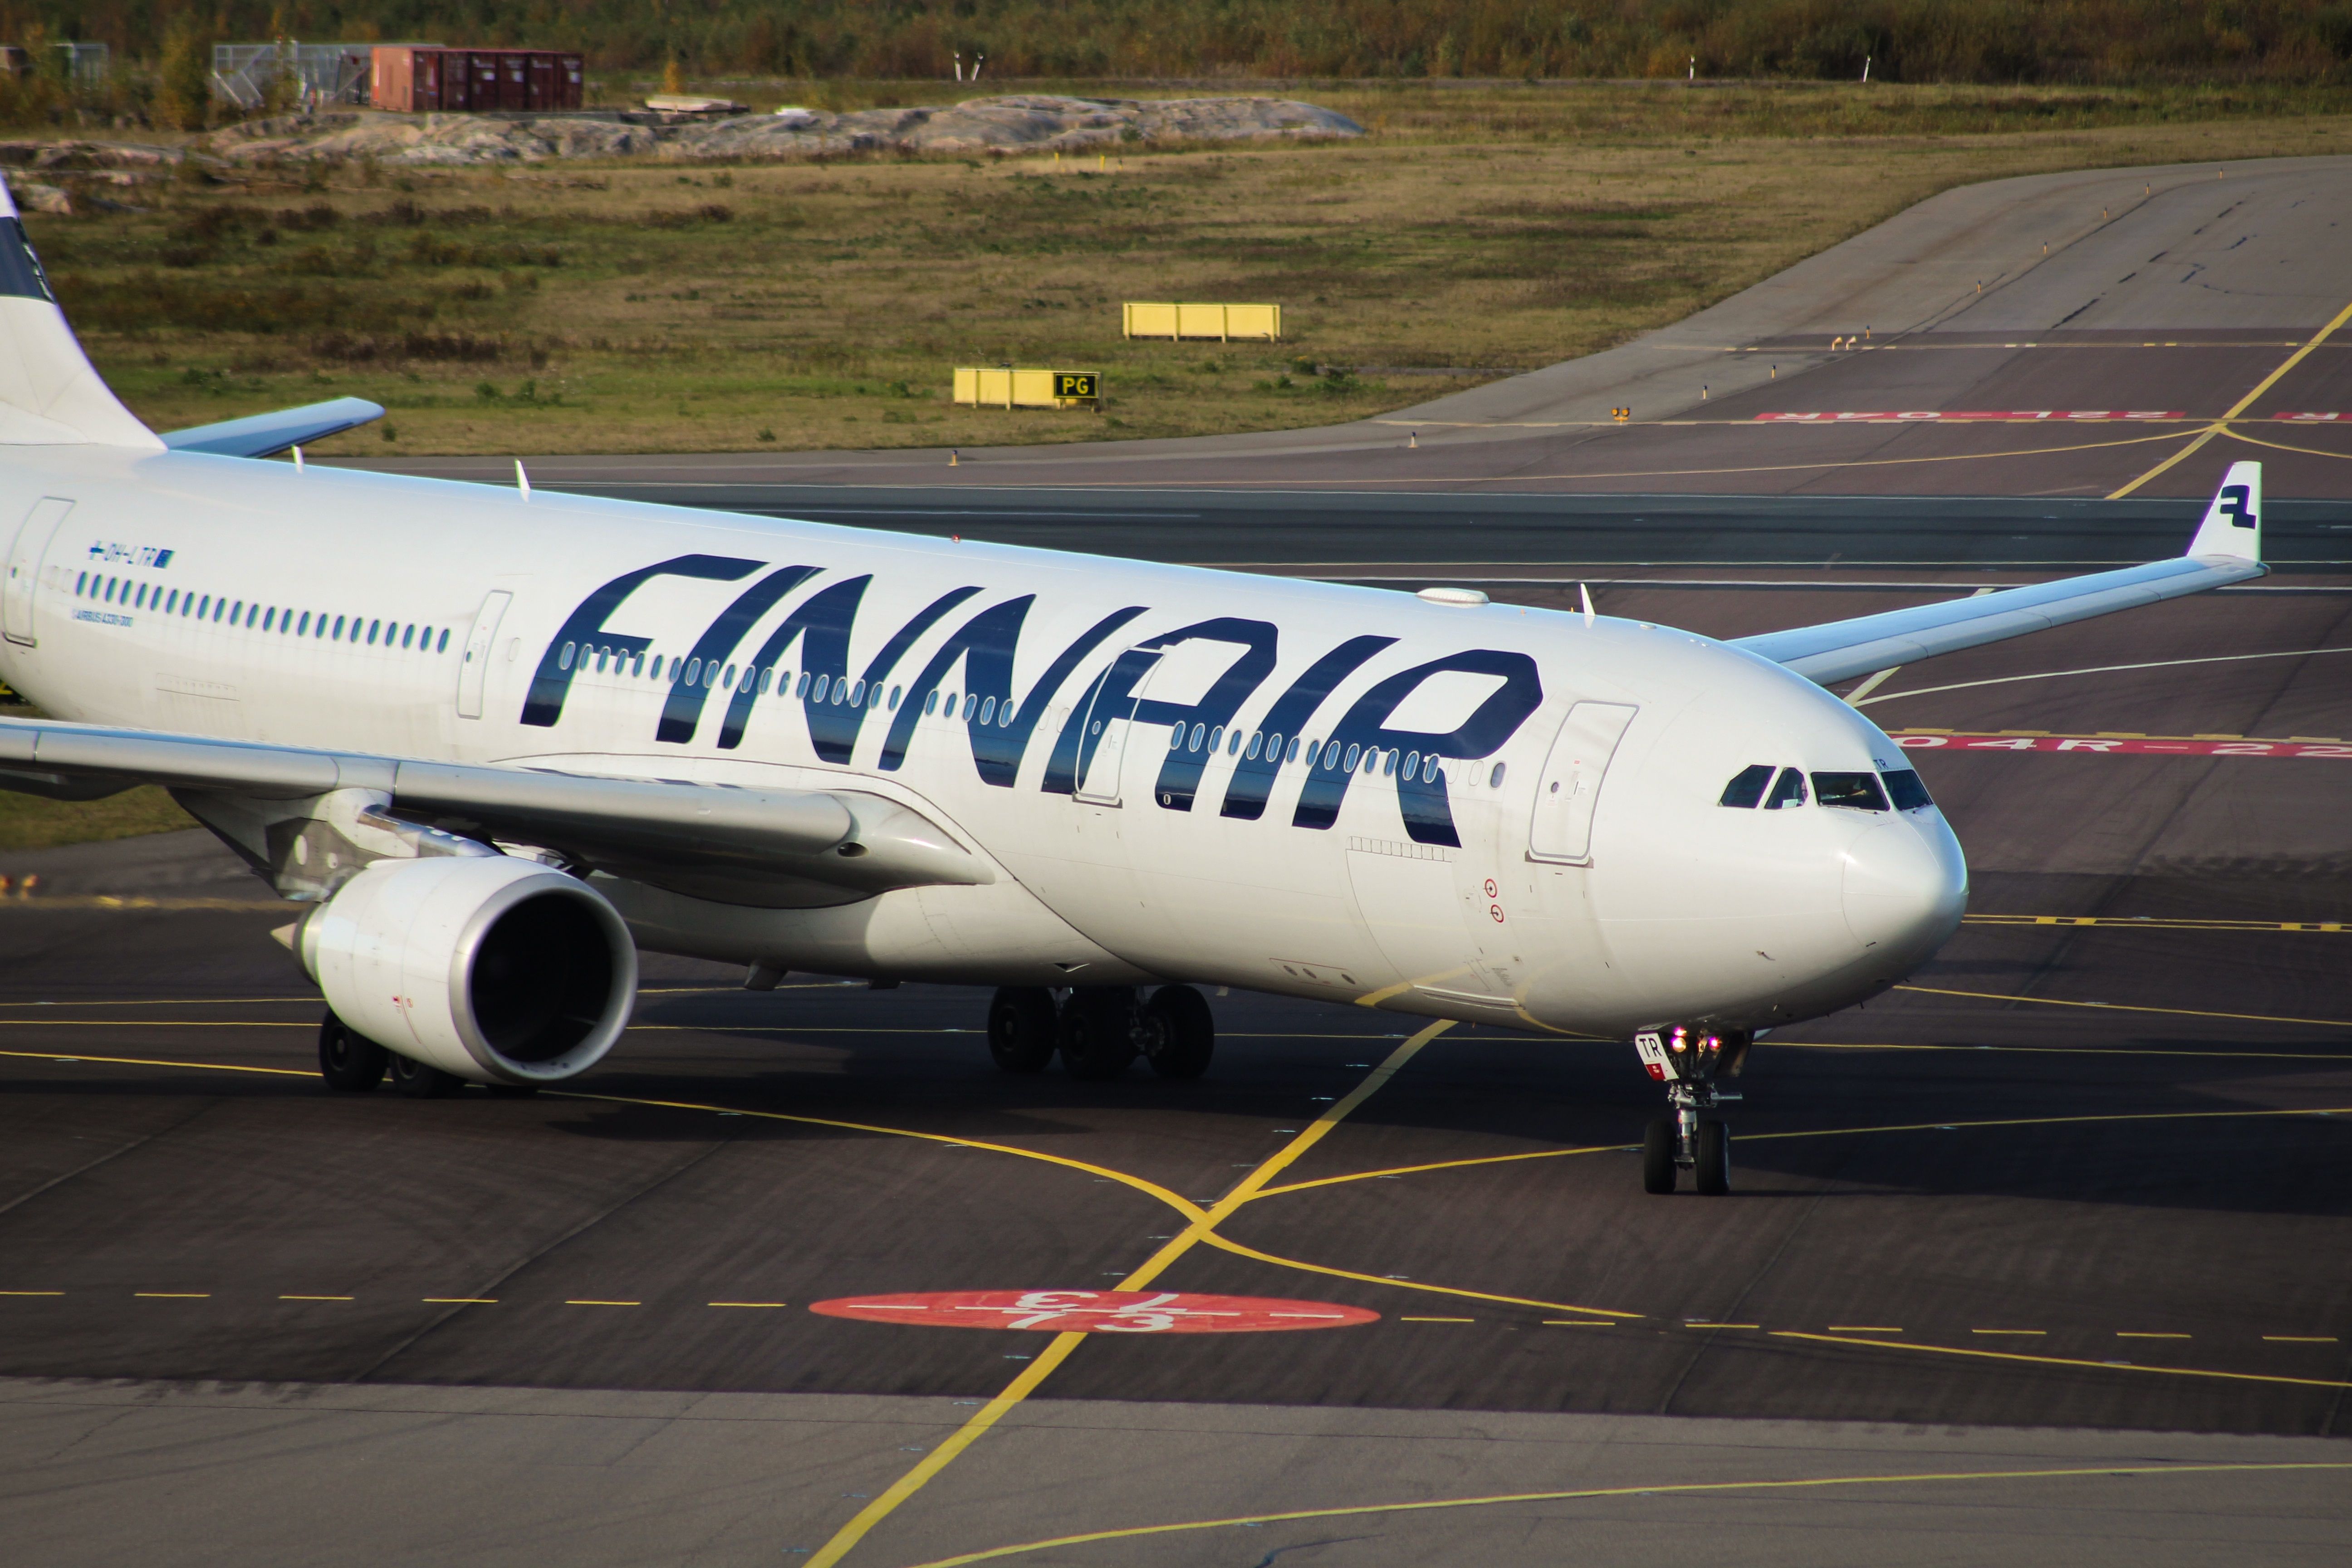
500	741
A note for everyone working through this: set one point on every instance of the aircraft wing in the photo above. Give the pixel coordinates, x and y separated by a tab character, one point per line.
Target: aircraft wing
660	830
2228	548
267	435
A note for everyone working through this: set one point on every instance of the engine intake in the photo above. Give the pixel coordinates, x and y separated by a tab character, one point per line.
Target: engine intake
495	969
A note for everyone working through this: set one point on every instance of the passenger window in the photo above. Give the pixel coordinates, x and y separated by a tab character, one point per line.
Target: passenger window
1332	753
1216	740
1746	789
1854	791
1786	791
896	692
970	706
1257	743
339	636
1291	753
1349	761
441	643
931	704
1908	793
857	695
374	627
407	638
80	582
1494	779
563	660
171	601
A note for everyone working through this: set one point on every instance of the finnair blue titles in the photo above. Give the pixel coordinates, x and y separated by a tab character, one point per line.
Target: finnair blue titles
499	741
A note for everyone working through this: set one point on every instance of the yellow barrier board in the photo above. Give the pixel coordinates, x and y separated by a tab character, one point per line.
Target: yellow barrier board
1020	388
1223	322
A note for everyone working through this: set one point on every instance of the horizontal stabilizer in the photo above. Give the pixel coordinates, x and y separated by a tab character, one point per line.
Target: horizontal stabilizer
2227	549
267	435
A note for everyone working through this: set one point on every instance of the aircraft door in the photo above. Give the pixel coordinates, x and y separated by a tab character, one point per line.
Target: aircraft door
1560	827
1110	715
474	672
18	594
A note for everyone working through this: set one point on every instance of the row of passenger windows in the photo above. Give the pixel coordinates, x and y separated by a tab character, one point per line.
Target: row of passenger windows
1389	762
714	675
1855	792
263	617
841	691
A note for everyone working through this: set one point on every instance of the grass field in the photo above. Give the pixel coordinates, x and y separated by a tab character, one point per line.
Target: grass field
1479	230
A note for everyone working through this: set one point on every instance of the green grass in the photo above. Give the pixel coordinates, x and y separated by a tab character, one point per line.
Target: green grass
29	822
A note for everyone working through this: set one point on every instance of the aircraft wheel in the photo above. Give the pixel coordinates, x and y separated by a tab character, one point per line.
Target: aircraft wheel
1713	1152
1186	1032
418	1081
351	1063
1658	1156
1097	1036
1021	1028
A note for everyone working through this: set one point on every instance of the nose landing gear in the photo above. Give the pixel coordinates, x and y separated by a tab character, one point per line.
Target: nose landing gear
1688	1064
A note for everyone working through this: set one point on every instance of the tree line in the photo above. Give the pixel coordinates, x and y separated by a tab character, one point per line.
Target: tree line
1984	41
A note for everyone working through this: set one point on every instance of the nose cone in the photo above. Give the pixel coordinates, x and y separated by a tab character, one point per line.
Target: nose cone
1905	887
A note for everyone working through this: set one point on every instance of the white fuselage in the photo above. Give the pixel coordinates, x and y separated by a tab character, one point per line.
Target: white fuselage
1501	880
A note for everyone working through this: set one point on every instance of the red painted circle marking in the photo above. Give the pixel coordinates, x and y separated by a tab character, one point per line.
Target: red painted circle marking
1097	1312
1496	910
1491	889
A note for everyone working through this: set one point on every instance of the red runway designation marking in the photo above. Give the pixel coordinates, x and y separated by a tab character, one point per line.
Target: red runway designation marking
1097	1312
2118	745
1957	416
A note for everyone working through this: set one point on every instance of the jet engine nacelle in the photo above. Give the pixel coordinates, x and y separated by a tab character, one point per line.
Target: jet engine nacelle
495	969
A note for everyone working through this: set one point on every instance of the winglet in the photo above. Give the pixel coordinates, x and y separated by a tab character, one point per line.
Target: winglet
2233	523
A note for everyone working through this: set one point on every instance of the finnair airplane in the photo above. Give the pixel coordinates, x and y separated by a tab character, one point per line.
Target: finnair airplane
501	742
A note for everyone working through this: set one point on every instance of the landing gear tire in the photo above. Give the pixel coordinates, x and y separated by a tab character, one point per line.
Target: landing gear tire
1097	1033
1022	1028
1658	1168
351	1063
1711	1159
1182	1030
418	1081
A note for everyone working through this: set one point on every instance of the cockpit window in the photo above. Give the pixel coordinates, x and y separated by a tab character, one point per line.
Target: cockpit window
1787	790
1909	794
1855	792
1747	787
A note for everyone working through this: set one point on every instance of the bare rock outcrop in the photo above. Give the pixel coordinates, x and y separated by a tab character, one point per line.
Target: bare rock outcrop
1021	123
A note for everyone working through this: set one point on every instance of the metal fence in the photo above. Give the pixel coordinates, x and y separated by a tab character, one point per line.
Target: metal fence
247	74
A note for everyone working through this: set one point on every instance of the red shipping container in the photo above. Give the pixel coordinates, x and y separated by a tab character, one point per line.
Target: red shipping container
421	80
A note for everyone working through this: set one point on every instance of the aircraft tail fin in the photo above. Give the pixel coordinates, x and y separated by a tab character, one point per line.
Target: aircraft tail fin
2233	523
49	394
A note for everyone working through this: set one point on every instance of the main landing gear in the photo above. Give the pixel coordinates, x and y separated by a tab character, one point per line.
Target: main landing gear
1688	1063
351	1063
1098	1030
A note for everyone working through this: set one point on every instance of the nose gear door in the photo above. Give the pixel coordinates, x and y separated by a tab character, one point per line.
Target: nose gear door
1560	827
